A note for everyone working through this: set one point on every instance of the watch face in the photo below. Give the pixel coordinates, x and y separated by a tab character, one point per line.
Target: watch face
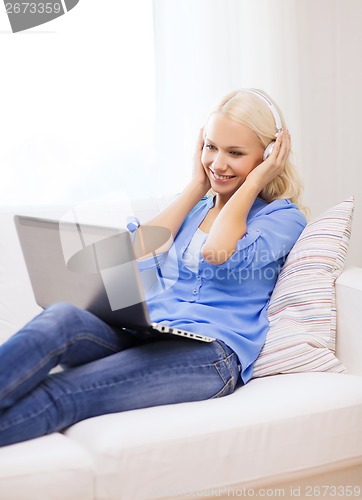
25	15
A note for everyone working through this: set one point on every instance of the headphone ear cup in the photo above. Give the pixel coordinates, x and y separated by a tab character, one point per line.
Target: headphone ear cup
268	150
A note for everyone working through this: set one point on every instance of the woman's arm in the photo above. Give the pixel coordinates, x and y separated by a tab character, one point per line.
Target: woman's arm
230	224
175	213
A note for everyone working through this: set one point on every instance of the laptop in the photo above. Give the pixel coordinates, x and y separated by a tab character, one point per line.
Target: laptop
92	267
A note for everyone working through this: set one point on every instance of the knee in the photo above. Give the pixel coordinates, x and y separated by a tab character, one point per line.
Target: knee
55	324
62	312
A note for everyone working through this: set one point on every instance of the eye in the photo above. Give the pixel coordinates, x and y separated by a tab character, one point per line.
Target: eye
235	153
209	147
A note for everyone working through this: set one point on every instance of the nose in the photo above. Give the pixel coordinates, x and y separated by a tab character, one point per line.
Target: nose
219	164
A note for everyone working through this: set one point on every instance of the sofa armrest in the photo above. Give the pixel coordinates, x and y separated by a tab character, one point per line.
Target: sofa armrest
349	329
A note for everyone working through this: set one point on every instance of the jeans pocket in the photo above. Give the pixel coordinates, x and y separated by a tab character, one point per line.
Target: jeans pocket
228	370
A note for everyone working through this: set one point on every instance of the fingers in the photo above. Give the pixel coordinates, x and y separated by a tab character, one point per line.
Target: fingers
282	147
199	144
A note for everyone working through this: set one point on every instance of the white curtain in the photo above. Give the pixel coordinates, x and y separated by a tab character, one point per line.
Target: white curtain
78	94
77	101
304	53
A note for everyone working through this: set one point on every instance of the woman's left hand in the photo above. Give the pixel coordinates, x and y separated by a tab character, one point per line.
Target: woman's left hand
274	164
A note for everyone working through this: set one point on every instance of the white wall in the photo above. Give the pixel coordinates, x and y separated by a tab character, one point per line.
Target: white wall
77	101
77	95
330	72
304	53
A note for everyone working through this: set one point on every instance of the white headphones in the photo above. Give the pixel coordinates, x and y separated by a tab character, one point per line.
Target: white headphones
278	122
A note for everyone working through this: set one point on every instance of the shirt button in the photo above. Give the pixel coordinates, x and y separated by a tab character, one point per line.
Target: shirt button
194	291
202	260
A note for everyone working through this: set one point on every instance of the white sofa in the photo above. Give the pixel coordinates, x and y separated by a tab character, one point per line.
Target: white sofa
295	435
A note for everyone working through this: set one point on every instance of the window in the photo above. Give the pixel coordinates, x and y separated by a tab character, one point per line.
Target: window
78	105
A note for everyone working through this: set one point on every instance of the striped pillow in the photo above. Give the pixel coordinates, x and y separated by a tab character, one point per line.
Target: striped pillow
302	309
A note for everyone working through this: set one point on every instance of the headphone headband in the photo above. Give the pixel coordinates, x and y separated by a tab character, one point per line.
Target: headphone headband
273	109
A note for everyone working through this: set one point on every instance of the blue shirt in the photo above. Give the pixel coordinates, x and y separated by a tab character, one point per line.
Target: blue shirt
227	301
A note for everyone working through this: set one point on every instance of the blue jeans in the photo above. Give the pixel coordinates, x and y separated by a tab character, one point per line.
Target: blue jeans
105	370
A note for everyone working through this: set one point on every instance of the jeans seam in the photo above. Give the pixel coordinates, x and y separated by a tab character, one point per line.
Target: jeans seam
227	361
224	391
110	383
56	352
24	418
96	387
95	338
30	373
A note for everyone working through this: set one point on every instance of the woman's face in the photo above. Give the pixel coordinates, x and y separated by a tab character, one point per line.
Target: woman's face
231	150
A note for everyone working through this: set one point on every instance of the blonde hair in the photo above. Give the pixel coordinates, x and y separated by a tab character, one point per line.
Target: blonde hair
249	109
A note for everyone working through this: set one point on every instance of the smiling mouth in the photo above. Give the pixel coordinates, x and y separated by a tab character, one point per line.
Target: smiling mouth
222	177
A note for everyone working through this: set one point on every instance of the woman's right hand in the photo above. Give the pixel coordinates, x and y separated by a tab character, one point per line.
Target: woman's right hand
199	176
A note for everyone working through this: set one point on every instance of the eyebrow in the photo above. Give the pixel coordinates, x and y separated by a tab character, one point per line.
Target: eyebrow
227	147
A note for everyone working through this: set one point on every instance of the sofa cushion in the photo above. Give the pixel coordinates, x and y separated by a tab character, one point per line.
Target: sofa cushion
48	467
249	436
302	309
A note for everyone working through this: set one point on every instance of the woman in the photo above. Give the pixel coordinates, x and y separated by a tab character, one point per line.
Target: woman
230	248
